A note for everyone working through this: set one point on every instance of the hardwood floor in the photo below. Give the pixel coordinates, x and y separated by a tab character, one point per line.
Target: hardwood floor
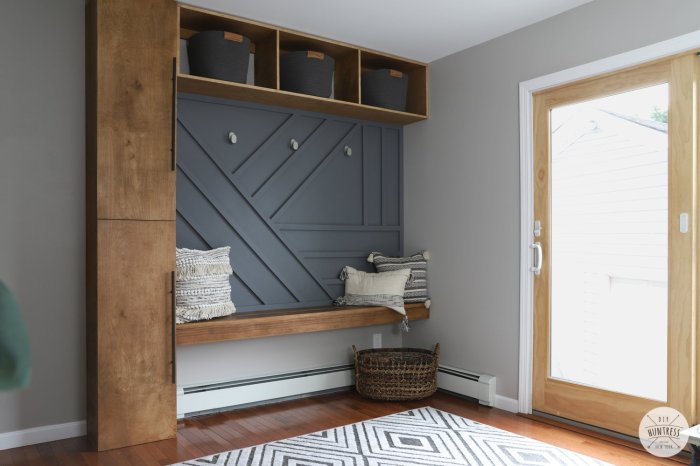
236	429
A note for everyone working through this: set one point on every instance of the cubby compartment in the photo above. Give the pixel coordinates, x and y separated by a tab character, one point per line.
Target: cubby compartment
347	62
264	40
269	43
417	95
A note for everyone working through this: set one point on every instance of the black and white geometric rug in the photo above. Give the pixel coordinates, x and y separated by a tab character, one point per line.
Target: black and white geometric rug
419	437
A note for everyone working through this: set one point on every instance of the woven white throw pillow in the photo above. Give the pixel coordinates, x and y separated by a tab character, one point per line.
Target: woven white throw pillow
375	289
202	288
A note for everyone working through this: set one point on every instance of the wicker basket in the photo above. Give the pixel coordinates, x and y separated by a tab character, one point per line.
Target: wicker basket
396	374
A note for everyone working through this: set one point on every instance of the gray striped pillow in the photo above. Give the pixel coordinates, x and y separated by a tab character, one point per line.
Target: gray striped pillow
417	290
202	290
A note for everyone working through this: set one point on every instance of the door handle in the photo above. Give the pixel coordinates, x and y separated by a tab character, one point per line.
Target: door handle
537	268
174	117
173	317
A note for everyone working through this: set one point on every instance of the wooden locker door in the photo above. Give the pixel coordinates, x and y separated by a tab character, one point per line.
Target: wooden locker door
134	47
135	393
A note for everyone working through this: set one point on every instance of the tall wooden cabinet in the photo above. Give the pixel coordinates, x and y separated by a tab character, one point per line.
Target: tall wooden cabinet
130	175
131	77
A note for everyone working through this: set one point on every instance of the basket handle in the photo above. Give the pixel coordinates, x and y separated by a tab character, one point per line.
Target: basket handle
436	351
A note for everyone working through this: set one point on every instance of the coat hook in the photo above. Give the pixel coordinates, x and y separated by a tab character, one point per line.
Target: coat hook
232	138
348	151
294	144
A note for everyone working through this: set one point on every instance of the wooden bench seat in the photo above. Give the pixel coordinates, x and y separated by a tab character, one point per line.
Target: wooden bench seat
260	324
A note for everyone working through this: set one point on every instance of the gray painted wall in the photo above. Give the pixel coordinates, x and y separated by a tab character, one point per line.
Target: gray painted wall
219	362
42	202
461	170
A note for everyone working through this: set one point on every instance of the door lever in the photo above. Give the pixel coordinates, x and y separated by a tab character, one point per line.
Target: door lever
537	268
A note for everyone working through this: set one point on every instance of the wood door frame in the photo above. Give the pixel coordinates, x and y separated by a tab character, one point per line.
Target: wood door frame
560	397
527	89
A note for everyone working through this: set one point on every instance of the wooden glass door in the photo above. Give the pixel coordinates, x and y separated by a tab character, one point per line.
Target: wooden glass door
614	212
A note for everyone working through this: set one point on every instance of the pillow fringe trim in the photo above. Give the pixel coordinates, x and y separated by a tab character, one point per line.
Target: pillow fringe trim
185	315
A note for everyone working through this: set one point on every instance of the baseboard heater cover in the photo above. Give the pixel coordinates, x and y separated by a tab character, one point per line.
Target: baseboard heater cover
195	400
202	399
481	387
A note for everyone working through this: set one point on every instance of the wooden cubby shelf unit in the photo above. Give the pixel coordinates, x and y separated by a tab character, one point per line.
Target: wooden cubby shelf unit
268	43
260	324
417	99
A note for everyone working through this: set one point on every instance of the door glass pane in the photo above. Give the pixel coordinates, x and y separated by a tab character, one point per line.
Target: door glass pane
609	251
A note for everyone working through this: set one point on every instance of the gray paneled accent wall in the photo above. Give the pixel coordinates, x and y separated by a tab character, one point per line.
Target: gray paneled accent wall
293	218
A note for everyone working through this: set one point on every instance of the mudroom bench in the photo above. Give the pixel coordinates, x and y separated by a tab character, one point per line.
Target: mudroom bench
248	325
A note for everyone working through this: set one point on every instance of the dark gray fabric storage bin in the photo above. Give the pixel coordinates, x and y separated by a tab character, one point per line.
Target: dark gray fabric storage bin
384	88
307	73
218	55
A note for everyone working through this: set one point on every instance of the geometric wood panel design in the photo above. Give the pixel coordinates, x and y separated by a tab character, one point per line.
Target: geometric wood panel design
293	218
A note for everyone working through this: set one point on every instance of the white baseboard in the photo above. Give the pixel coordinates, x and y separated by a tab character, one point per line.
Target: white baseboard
208	398
21	438
193	400
506	404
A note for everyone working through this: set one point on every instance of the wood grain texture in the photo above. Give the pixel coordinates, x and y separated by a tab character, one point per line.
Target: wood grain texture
635	77
346	77
288	322
199	19
134	396
541	292
237	91
130	47
696	238
266	89
682	157
417	98
610	410
206	435
135	42
267	61
634	445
